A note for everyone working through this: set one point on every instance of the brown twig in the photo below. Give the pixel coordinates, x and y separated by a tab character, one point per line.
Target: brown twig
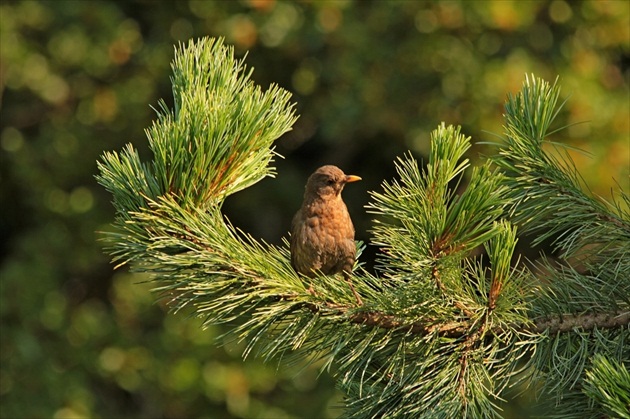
587	321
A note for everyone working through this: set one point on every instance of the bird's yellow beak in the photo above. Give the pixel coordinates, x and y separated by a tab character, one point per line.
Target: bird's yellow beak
352	178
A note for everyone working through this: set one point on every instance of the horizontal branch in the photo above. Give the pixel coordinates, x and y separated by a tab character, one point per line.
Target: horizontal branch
384	321
586	321
553	325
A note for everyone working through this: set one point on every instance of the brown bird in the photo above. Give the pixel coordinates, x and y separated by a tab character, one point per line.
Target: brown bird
322	234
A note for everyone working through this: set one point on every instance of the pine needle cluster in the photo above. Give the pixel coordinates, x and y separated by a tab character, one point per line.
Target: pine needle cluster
451	317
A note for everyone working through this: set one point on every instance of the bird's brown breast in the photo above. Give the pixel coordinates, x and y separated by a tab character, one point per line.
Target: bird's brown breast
322	238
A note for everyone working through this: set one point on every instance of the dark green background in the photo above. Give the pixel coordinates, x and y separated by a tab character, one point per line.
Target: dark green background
371	79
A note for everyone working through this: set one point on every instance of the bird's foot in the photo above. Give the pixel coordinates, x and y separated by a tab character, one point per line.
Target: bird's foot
356	294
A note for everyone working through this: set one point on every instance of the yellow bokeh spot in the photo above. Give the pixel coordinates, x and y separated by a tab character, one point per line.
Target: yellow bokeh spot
81	199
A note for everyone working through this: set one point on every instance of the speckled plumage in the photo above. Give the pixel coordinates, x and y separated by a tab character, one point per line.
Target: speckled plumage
322	234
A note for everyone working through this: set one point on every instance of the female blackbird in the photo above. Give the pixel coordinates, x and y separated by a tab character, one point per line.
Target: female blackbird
322	234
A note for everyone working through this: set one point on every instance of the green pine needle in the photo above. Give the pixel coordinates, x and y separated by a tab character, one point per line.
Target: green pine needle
443	330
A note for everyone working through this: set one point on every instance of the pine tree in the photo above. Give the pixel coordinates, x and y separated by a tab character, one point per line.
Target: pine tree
445	329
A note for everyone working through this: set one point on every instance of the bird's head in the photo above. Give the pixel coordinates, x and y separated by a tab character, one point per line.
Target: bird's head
327	182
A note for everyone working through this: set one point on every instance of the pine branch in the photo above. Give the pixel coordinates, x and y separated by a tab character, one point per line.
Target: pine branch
583	298
546	192
585	322
455	330
442	331
608	382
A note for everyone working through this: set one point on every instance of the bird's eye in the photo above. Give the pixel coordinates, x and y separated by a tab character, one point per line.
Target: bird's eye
330	181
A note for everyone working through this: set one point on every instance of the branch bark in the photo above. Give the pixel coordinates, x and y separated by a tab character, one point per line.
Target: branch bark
457	329
587	321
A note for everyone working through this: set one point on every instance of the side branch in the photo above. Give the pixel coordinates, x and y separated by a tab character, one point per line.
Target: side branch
562	324
384	321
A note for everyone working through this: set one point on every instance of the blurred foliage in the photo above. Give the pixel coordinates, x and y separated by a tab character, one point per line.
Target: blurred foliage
371	79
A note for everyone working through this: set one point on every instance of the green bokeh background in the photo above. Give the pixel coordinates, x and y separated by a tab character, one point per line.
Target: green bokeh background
371	79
